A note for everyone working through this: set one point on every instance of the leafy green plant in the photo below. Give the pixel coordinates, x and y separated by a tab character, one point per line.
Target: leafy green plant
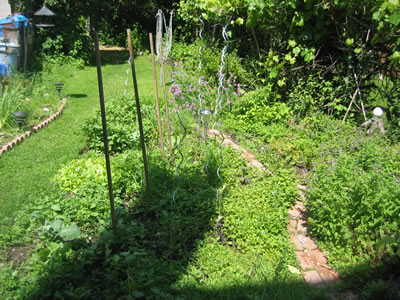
123	129
10	101
318	95
259	108
353	201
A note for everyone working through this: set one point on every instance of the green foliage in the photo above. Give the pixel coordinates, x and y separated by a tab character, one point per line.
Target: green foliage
386	93
317	95
84	181
10	101
122	126
83	175
257	223
353	201
190	57
259	108
113	36
26	93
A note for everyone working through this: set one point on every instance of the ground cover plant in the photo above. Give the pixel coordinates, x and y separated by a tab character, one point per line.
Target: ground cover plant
163	247
296	83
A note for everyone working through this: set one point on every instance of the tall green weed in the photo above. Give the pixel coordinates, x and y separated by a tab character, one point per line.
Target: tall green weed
353	201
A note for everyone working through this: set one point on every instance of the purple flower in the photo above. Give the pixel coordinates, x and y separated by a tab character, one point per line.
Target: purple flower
234	93
228	102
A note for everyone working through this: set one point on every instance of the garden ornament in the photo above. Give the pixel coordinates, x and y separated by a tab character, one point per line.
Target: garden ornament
375	123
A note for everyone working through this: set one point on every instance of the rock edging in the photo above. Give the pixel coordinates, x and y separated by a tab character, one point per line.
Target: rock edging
10	145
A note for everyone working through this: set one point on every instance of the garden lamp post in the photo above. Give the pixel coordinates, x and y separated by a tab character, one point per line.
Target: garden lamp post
59	87
20	118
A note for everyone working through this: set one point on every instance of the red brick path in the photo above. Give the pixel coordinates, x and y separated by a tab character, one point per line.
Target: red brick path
313	264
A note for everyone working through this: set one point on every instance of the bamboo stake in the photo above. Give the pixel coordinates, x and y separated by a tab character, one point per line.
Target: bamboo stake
359	94
139	114
166	102
105	135
350	105
156	90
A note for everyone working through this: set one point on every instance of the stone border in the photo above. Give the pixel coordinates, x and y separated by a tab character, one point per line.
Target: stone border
10	145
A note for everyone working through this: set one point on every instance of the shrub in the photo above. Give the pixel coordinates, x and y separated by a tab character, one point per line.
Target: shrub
353	200
84	180
122	126
259	108
210	61
315	94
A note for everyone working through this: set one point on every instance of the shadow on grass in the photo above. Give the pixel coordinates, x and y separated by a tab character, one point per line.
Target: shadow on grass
112	57
155	242
78	96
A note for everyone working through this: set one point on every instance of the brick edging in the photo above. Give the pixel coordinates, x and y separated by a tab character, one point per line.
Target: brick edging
10	145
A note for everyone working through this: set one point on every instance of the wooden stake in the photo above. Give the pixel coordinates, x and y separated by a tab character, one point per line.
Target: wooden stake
105	135
353	98
166	102
139	114
156	90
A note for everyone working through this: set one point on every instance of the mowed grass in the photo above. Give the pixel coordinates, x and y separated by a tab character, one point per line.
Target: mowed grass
26	172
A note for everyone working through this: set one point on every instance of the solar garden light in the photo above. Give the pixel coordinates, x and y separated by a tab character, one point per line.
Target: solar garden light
20	118
59	86
377	111
205	116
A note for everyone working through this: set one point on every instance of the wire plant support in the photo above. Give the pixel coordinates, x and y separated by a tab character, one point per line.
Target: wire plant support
219	110
181	154
127	78
201	93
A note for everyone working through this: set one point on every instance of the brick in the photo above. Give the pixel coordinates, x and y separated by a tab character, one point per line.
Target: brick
302	226
305	261
303	242
301	187
294	213
330	277
313	278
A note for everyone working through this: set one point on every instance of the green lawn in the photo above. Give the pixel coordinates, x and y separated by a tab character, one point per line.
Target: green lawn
27	170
